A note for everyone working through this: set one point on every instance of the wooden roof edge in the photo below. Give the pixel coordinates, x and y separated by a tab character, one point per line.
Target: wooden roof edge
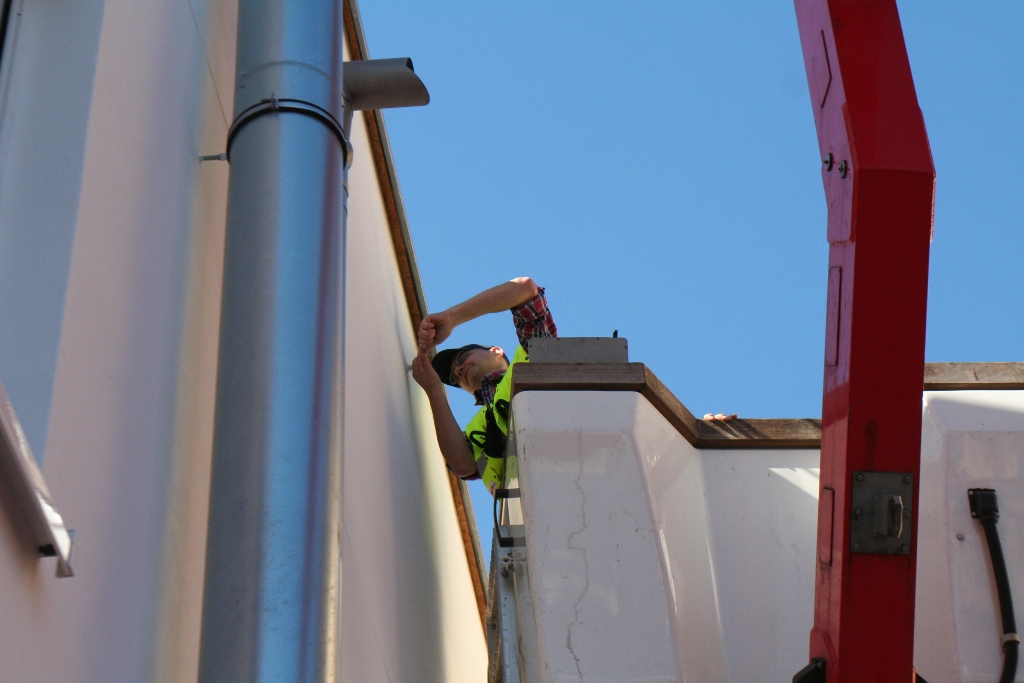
967	376
398	225
743	432
734	434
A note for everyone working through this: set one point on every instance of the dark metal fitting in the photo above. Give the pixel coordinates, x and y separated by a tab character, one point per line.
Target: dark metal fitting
844	168
812	673
983	504
828	161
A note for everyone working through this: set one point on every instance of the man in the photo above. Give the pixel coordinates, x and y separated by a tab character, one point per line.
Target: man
484	371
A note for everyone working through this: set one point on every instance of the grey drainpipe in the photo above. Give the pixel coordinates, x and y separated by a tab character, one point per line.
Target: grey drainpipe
273	565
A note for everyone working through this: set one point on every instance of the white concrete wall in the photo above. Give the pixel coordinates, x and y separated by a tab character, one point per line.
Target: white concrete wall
661	562
111	248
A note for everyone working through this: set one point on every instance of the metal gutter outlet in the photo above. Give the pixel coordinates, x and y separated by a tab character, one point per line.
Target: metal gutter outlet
383	84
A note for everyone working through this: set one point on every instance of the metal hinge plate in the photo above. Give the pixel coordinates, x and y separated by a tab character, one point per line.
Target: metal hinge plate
881	513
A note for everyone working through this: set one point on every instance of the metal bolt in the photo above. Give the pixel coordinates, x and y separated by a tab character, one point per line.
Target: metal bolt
843	168
959	536
905	548
860	477
907	479
856	546
857	513
906	513
828	161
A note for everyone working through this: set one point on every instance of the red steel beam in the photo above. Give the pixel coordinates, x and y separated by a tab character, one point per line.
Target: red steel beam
880	187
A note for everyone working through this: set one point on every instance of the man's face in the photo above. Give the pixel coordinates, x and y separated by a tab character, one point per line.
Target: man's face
470	367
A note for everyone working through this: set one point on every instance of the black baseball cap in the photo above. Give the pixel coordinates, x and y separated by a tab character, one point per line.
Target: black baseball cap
442	362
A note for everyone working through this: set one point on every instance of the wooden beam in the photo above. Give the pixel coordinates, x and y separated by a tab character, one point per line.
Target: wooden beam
761	433
960	376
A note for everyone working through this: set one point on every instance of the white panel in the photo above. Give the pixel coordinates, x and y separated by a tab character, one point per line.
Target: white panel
647	551
971	439
595	575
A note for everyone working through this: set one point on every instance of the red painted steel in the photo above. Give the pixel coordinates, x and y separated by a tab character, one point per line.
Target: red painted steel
880	188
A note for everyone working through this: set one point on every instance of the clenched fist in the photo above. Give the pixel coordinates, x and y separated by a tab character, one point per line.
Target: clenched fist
435	328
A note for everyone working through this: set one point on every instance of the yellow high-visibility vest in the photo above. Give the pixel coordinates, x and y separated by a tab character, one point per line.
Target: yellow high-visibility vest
476	431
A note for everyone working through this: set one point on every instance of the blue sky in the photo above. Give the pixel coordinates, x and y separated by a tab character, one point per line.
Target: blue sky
655	167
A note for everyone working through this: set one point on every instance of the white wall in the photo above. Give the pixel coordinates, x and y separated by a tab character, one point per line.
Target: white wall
111	232
408	607
127	327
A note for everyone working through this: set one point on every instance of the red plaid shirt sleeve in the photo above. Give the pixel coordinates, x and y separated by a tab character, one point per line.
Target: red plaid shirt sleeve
533	319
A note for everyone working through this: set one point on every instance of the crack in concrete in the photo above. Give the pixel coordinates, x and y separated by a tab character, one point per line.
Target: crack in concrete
586	574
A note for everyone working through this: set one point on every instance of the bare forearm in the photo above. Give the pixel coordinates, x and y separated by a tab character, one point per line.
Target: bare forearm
450	437
500	298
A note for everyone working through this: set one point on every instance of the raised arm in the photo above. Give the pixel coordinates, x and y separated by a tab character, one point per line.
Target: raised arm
437	327
450	438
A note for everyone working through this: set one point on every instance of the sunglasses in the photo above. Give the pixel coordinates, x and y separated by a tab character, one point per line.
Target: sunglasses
459	359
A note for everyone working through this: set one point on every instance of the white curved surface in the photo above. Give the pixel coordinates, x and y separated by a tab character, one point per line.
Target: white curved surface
661	562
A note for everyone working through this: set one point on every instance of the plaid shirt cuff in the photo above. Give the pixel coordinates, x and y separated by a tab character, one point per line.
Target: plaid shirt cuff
533	319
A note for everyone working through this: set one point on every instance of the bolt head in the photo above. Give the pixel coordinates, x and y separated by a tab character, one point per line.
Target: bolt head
905	548
907	479
860	477
857	513
960	536
856	546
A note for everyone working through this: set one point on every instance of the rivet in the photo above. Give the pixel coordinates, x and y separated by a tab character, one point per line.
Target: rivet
959	536
857	513
860	477
856	546
907	479
905	547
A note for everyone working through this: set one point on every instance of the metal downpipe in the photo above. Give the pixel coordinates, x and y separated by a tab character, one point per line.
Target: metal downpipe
271	607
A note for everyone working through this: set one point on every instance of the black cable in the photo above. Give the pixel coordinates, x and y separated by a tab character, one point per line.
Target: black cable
985	509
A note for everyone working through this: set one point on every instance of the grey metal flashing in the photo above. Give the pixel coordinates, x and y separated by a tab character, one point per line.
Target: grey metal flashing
26	498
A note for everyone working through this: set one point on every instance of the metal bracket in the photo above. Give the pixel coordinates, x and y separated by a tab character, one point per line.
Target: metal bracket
881	512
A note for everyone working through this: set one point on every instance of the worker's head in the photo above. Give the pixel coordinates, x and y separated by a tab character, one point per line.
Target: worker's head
466	367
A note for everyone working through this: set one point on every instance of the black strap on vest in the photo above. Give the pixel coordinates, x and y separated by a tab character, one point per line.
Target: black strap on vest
495	439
